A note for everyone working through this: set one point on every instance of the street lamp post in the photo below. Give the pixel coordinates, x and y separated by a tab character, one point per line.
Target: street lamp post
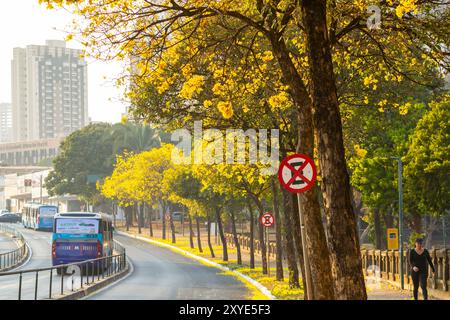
400	217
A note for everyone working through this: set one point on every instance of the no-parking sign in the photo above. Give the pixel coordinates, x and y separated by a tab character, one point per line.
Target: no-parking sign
267	220
297	173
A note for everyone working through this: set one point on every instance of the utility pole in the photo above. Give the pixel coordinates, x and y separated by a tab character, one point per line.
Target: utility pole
400	214
40	189
400	217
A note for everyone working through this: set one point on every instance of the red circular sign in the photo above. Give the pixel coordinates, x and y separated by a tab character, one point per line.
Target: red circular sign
297	173
267	219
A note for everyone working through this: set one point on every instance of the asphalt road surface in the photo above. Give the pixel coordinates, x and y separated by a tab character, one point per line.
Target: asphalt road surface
158	274
40	243
161	274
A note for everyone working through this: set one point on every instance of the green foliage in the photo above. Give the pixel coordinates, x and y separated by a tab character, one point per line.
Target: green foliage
85	152
133	137
427	169
413	236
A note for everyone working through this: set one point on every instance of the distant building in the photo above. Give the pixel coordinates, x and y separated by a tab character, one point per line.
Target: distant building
28	153
49	91
15	192
5	122
6	183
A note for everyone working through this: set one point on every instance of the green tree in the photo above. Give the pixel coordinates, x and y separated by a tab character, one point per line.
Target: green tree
427	170
85	153
135	137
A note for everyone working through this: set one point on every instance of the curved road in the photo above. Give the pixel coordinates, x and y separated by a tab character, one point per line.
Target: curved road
40	244
159	274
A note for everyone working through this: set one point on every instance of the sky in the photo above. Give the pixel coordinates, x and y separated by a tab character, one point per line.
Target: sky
25	22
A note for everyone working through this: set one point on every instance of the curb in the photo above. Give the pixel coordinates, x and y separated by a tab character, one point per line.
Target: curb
242	277
93	288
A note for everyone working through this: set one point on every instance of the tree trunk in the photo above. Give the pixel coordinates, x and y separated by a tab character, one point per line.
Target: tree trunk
199	240
276	211
377	227
222	235
335	184
252	234
415	223
136	214
430	228
191	233
140	208
128	214
209	236
316	240
150	223
289	242
262	242
115	207
388	219
163	221
235	237
172	228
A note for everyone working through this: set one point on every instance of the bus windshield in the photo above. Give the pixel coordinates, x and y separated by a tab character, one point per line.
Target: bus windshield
77	226
48	211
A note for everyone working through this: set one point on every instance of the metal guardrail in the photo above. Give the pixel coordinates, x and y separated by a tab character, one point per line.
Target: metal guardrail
12	258
57	280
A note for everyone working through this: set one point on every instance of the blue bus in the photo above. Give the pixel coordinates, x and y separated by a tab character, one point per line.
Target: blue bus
80	236
38	216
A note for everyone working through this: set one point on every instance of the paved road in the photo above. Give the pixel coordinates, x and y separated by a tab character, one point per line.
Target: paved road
160	273
7	244
40	243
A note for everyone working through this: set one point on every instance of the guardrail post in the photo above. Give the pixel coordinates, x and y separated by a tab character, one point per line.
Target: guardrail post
20	286
51	282
87	273
93	268
62	281
36	285
81	276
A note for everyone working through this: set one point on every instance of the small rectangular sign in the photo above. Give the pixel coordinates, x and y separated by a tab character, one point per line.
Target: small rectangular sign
392	238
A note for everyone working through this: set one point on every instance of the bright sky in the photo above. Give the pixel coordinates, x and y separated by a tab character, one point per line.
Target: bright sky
25	22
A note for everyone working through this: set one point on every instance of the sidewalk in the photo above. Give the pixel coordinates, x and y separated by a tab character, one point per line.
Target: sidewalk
382	291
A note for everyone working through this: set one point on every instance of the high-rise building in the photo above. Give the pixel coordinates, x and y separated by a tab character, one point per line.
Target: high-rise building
49	91
5	122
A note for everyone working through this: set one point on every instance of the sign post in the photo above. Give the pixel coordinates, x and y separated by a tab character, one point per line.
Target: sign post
267	220
297	174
